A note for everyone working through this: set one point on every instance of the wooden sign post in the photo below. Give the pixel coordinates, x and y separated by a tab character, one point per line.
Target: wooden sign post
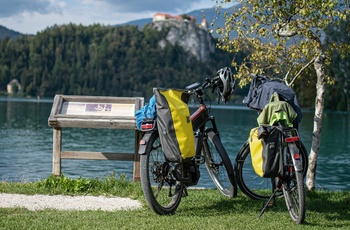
93	112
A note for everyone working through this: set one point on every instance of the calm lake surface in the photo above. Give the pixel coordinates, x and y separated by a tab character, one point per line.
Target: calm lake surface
26	143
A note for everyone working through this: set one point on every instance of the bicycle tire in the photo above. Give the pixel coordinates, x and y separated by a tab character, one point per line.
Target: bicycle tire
294	192
250	183
162	192
219	166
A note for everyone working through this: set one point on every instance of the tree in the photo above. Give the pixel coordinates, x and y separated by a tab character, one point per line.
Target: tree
286	39
339	95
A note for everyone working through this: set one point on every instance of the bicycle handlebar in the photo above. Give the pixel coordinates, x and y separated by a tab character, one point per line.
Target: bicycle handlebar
208	83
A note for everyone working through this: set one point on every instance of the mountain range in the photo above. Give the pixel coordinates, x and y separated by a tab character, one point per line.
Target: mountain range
5	32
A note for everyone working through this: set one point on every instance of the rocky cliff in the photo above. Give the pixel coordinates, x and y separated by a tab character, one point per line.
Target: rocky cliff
187	34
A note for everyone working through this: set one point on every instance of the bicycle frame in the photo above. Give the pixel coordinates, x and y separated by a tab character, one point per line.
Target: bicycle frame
294	152
199	119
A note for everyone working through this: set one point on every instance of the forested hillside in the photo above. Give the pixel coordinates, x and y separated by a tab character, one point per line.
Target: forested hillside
99	60
5	32
125	61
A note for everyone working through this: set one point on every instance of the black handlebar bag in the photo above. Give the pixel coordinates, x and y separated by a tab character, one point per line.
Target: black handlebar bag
174	124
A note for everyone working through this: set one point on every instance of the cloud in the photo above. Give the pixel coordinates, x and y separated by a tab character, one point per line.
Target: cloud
139	6
18	7
31	16
13	8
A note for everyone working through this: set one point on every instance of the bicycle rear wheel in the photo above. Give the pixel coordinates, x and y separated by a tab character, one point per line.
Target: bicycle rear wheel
253	185
161	190
219	165
293	190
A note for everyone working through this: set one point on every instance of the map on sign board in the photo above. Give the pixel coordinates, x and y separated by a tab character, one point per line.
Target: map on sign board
98	109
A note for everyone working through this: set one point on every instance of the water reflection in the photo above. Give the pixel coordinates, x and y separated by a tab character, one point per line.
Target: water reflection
26	144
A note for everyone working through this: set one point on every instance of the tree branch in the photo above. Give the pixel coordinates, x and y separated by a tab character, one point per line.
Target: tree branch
301	70
286	77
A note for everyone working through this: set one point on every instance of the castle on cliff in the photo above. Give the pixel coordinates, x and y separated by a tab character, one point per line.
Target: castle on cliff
169	17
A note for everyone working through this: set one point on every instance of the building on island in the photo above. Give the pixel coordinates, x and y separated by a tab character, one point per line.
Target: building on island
13	87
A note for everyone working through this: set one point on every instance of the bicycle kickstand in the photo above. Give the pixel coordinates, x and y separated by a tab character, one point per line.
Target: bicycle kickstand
268	203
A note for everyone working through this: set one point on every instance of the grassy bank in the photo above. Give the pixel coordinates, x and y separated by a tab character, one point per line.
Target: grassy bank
202	209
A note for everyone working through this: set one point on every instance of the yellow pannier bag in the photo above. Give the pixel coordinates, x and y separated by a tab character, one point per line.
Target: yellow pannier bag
174	124
265	143
255	146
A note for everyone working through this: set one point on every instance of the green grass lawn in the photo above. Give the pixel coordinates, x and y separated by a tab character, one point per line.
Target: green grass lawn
202	209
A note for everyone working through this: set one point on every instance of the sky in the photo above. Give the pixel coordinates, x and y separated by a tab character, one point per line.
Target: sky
32	16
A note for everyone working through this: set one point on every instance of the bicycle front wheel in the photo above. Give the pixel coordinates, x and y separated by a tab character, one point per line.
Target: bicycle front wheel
219	165
253	185
161	190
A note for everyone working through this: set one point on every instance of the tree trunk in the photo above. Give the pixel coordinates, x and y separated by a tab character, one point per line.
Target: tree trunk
316	135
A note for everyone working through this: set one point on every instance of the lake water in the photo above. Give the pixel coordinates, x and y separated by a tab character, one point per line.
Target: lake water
26	144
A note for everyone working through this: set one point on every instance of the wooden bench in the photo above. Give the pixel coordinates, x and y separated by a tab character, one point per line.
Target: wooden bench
94	112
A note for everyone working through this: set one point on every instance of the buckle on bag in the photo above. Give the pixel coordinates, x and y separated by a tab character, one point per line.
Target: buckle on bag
148	125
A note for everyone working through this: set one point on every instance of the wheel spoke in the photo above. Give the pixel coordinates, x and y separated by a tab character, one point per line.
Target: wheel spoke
219	166
157	179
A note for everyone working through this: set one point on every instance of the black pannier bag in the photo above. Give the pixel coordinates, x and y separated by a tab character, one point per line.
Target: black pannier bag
266	148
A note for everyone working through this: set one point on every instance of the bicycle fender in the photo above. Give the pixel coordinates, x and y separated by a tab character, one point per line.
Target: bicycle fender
143	143
295	156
